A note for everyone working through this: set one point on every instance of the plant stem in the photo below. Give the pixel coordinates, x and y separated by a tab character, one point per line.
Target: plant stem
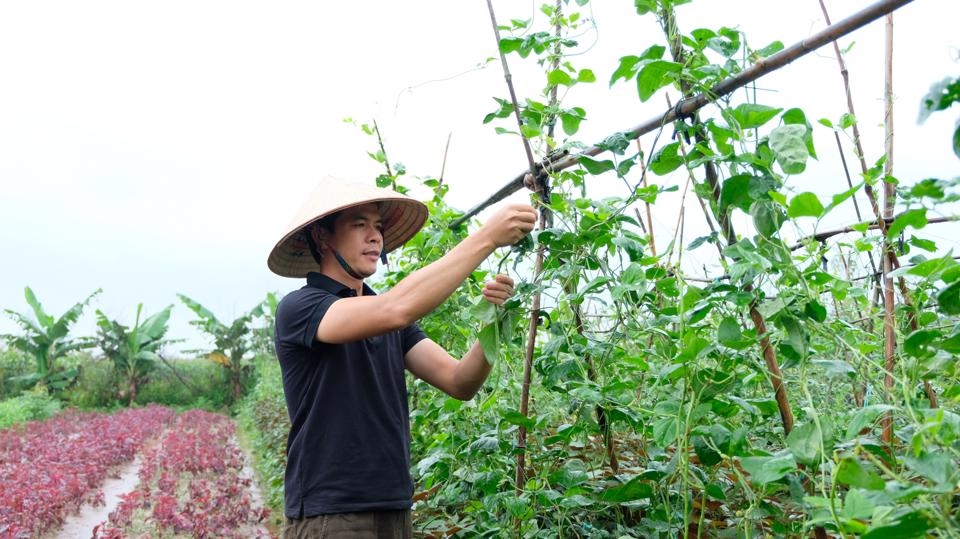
668	24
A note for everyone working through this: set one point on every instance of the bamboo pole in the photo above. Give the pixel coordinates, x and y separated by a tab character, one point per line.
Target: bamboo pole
540	186
688	106
889	200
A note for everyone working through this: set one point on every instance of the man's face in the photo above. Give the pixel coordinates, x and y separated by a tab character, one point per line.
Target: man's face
358	237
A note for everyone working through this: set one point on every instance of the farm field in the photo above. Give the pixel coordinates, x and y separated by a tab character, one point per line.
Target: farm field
190	478
737	315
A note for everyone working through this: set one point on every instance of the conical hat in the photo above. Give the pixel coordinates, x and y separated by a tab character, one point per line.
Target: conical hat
402	218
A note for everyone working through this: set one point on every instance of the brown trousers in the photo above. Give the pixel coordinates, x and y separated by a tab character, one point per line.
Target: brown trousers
366	525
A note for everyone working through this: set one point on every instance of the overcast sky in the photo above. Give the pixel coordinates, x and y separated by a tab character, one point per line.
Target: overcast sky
156	148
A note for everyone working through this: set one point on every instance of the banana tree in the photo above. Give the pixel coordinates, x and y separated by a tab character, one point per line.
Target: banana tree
46	339
133	350
231	341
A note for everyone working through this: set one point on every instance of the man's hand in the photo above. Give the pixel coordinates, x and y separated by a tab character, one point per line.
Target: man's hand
510	224
498	290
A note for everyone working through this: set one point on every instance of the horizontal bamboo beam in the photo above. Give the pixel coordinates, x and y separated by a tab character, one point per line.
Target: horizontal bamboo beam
688	106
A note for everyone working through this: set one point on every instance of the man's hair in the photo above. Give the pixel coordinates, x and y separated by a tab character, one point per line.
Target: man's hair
327	224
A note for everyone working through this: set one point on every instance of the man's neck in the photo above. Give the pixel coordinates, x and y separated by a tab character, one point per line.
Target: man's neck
338	274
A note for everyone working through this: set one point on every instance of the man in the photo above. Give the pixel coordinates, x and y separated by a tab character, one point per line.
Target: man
343	350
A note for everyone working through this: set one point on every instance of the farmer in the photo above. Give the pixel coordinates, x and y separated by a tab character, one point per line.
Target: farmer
343	350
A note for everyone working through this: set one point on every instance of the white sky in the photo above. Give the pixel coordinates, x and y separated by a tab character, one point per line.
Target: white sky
152	148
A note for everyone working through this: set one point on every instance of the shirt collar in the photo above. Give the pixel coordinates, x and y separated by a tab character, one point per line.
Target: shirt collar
325	282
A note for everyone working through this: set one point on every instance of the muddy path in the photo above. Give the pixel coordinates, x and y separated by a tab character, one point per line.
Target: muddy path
81	524
124	480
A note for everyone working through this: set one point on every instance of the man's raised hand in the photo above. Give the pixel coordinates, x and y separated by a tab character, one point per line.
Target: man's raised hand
510	224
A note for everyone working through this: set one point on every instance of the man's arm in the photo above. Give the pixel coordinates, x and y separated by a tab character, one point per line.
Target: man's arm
351	319
460	379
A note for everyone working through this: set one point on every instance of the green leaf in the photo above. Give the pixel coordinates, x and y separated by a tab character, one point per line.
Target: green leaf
770	49
484	311
708	456
835	368
645	6
804	442
559	77
530	131
921	243
516	418
796	116
851	472
655	75
789	146
847	120
842	197
626	70
596	167
941	96
916	218
865	417
570	119
939	468
914	524
635	489
489	337
735	192
948	299
586	75
814	310
765	470
929	188
750	115
856	505
510	44
805	205
768	217
666	160
921	343
729	334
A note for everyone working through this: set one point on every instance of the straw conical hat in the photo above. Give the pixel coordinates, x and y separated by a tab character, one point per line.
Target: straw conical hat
402	219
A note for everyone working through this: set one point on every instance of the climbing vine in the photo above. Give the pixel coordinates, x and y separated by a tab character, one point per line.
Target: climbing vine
752	394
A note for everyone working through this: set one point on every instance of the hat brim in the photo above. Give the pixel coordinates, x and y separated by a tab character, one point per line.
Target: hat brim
402	218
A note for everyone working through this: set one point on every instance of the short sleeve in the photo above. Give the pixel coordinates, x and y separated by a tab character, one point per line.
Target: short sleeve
299	315
412	334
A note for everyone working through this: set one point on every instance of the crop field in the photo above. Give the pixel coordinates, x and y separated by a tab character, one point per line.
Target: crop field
190	475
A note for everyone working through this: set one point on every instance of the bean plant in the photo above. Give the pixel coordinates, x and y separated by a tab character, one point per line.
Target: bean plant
775	391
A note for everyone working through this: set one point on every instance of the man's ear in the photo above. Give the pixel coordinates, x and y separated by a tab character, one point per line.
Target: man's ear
319	235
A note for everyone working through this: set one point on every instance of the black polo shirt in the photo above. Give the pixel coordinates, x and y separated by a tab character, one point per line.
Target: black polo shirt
349	444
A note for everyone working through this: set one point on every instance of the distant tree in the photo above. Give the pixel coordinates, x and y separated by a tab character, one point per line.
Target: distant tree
133	351
46	339
232	341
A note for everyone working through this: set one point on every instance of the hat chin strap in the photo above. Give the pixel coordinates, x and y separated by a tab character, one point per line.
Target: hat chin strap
346	267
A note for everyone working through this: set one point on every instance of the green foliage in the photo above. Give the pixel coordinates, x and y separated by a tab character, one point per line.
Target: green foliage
262	417
673	371
187	383
133	350
96	386
943	95
14	365
46	339
232	342
33	405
